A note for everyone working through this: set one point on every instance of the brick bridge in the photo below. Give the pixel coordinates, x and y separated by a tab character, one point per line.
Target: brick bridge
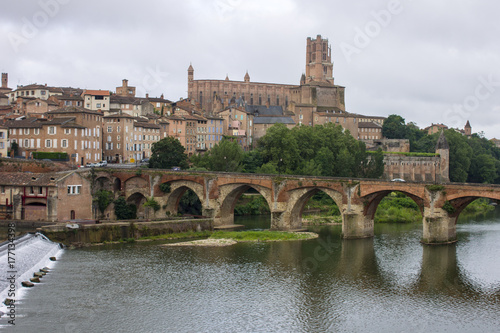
287	196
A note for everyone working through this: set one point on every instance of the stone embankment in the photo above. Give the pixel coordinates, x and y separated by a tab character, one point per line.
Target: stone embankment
116	231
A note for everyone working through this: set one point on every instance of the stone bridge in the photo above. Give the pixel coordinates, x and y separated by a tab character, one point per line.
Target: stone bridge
357	199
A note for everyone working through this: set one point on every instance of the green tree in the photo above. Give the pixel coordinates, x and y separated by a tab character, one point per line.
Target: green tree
394	127
167	153
103	198
14	147
224	156
124	211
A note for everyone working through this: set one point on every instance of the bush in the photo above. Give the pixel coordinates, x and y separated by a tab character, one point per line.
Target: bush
51	156
123	210
165	187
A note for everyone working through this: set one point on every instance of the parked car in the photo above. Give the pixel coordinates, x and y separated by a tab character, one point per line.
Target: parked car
398	180
176	168
145	161
104	163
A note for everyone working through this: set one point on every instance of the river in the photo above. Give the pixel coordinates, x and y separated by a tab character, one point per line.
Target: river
390	283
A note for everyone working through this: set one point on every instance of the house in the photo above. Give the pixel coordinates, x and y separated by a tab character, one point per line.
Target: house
53	197
74	131
96	100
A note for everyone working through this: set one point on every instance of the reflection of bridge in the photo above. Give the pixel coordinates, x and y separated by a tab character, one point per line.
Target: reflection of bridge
287	196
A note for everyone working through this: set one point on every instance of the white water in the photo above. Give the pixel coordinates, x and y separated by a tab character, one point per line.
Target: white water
31	253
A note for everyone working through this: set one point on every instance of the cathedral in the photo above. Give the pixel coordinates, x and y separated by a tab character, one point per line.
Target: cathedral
316	92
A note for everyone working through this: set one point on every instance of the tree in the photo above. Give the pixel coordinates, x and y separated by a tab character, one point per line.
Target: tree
394	127
14	147
224	156
103	198
123	210
167	153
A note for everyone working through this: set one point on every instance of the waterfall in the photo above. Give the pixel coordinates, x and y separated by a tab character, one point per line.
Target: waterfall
30	253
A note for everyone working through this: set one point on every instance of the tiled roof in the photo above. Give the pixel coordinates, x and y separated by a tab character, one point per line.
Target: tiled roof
146	125
274	110
368	124
73	109
96	92
31	87
31	179
273	120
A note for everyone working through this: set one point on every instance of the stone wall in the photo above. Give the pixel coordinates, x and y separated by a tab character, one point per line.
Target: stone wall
111	232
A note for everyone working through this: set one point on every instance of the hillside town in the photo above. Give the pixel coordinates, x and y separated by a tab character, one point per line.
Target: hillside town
90	126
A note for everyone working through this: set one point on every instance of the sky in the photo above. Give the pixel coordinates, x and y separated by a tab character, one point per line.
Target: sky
428	61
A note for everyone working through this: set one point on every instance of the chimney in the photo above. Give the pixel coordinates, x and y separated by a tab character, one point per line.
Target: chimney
5	80
147	95
124	83
161	96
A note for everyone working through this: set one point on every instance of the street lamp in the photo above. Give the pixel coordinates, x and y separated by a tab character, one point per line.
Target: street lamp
279	166
225	162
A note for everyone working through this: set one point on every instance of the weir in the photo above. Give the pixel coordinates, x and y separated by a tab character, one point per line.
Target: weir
29	254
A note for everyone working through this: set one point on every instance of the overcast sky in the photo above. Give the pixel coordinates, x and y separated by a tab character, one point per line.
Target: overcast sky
429	61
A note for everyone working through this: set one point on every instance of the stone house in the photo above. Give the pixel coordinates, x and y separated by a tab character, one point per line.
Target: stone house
37	107
96	100
75	131
45	196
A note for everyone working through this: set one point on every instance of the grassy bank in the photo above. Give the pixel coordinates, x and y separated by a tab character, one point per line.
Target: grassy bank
397	208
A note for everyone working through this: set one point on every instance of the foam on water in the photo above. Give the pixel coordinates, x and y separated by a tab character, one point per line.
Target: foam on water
31	253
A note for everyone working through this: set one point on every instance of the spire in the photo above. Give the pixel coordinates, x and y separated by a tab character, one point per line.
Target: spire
190	68
467	125
247	77
227	77
442	143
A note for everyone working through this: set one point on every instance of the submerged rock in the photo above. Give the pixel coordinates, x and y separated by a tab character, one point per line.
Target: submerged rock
38	274
27	284
8	301
52	258
35	279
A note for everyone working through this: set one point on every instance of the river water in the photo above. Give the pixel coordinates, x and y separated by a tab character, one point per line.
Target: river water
390	283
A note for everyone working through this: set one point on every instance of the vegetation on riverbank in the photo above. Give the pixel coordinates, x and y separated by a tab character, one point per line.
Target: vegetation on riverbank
397	208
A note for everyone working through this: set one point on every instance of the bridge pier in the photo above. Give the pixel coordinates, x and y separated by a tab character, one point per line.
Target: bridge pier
355	224
438	227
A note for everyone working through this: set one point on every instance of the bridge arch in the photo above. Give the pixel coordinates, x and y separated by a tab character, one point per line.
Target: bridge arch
138	199
459	203
136	184
229	195
104	183
373	200
298	199
177	189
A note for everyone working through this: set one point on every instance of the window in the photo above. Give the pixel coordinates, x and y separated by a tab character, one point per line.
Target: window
52	130
48	143
26	131
74	189
26	143
64	143
110	129
67	131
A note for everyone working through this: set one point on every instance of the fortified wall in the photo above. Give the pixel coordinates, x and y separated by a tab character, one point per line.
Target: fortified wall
420	168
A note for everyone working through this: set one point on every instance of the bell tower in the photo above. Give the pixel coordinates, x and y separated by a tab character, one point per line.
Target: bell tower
319	66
